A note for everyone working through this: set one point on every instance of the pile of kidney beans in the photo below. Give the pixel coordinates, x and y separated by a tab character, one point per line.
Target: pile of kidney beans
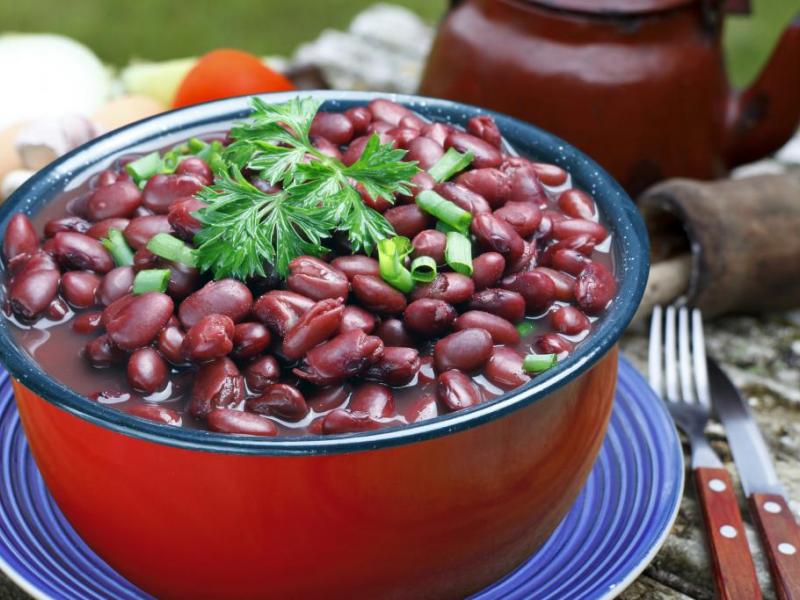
333	348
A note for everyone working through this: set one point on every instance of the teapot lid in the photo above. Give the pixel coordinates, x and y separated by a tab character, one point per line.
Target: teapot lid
615	6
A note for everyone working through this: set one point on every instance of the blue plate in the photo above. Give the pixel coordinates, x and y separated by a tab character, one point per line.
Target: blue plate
616	526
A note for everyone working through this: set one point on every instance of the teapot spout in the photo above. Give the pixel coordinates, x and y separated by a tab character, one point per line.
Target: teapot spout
763	117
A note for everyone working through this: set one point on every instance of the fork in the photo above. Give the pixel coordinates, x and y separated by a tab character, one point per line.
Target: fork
678	374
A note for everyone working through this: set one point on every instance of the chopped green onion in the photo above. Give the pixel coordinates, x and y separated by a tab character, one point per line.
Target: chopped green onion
391	252
209	151
151	280
539	363
145	167
525	328
171	248
195	145
118	248
449	164
423	269
458	253
444	227
171	161
444	210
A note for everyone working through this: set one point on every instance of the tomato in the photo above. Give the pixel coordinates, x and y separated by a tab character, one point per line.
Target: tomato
224	73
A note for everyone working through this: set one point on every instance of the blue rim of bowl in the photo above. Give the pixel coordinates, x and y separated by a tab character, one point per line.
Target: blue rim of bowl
631	252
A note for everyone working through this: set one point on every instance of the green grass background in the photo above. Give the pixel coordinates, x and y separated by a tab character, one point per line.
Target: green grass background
119	30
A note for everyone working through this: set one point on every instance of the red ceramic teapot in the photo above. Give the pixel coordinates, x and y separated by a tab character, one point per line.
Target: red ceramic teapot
640	85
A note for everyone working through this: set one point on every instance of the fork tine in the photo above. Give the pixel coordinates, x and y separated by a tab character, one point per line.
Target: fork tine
699	358
670	356
685	355
654	359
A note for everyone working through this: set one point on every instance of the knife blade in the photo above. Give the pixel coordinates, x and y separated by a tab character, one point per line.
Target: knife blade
750	452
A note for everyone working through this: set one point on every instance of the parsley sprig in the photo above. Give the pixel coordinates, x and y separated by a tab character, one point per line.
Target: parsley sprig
245	229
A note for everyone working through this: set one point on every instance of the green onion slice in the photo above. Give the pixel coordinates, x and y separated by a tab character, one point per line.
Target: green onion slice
118	248
449	164
444	210
145	167
539	363
151	280
458	253
391	253
169	247
444	227
525	328
423	269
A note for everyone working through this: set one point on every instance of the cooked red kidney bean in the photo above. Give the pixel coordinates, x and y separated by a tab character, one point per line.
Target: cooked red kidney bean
550	174
345	355
147	371
538	290
162	190
183	280
425	151
491	184
466	350
577	204
484	127
496	235
79	287
524	217
100	229
228	420
211	337
569	320
525	262
425	407
354	150
412	121
380	204
360	117
217	384
487	269
81	252
27	263
386	110
316	325
580	243
356	264
325	147
436	131
227	297
170	344
456	390
419	182
120	199
397	366
501	302
33	291
193	165
90	322
501	330
324	399
55	226
144	259
280	310
139	320
408	220
524	185
552	343
343	421
379	127
504	368
453	288
104	178
374	399
355	317
429	316
115	284
569	261
595	287
486	155
182	219
574	227
565	285
334	127
377	295
463	197
403	136
249	339
262	372
141	229
316	279
393	332
101	352
57	310
153	412
280	400
430	242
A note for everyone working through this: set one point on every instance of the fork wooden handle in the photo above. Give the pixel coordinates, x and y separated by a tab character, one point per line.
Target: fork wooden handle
734	571
780	536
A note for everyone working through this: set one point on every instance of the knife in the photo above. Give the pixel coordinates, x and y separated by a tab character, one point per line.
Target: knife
779	532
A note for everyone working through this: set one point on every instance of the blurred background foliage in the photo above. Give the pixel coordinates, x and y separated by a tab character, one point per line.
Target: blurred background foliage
163	29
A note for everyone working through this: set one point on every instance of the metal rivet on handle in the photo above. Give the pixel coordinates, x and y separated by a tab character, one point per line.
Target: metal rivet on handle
728	531
772	507
717	485
786	548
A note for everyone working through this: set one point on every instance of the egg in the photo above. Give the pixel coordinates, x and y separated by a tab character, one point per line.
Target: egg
126	109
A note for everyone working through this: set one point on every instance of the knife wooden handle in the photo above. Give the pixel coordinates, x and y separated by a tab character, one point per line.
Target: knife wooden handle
734	571
781	538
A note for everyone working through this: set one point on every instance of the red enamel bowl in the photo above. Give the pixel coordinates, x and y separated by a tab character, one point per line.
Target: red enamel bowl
436	509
